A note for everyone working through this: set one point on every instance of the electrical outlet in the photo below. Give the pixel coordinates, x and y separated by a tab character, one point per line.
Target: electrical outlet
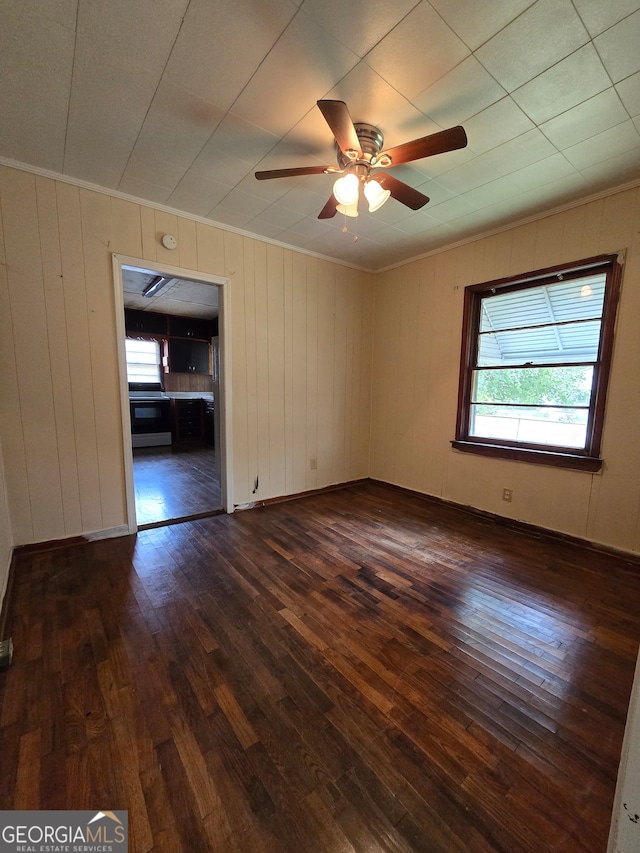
507	495
313	464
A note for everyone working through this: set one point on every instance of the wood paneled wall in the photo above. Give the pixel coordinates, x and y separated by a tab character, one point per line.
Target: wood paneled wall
300	354
418	318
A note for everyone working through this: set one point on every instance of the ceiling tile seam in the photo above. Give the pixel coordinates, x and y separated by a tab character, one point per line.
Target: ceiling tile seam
230	110
73	65
497	32
153	97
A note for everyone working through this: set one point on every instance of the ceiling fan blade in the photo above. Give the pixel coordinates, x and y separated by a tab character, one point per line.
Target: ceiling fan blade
402	192
427	146
329	210
337	117
294	173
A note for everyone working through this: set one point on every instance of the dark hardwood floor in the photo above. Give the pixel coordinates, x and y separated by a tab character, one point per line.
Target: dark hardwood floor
360	670
175	482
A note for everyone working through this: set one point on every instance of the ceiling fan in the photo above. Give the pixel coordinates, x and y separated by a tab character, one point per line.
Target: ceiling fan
359	149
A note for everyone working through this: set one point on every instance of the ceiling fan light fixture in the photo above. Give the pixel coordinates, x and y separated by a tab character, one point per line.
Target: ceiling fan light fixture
346	189
348	209
375	195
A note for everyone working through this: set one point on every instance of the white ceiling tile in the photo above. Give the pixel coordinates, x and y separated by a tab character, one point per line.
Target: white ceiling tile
139	34
629	92
452	209
304	64
373	100
618	48
96	156
544	172
420	50
245	204
223	168
221	44
270	191
279	215
304	201
475	23
358	32
37	59
178	125
144	189
599	16
587	119
551	25
466	90
611	142
239	138
561	191
616	170
234	219
60	12
522	151
468	176
571	81
197	194
433	167
305	229
148	167
497	124
492	193
265	228
418	222
436	191
107	110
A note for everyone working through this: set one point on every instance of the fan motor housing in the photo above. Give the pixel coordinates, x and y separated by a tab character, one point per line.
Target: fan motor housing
371	142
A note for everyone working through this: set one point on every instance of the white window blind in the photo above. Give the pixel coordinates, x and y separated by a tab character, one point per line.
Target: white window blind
143	361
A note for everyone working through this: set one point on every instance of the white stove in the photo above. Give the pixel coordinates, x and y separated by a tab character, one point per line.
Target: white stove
150	418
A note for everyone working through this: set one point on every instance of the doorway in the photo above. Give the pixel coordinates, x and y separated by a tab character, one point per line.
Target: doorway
174	412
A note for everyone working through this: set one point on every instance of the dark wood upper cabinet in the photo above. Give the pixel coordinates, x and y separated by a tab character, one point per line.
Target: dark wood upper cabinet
189	356
145	322
190	327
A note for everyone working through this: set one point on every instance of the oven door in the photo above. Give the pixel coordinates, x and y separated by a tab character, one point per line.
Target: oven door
149	416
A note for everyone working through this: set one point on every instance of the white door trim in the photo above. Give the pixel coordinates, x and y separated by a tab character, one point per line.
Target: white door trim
224	332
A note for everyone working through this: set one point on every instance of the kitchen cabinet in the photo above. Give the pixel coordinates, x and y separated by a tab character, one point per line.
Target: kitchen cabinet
187	356
188	419
189	327
145	322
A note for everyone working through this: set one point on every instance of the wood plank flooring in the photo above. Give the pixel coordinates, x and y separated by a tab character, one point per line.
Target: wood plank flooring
175	482
360	670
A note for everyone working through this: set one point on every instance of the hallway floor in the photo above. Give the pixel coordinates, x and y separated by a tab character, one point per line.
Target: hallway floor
175	482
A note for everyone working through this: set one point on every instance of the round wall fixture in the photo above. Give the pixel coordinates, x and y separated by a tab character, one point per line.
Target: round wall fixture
169	241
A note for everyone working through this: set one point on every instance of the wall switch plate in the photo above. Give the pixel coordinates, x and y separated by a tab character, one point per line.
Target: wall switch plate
313	464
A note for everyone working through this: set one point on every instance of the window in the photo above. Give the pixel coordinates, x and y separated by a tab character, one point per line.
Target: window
144	363
536	351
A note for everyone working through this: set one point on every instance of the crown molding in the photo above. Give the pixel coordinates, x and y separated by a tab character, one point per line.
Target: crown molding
535	217
174	211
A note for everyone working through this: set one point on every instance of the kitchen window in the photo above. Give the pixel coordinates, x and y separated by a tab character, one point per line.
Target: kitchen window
536	353
144	363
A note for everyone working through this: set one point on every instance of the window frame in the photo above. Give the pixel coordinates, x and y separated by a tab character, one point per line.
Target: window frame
587	459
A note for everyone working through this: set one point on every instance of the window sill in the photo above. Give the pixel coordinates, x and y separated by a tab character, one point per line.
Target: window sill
536	457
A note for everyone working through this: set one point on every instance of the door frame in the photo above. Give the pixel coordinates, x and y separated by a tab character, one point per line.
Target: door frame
224	328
